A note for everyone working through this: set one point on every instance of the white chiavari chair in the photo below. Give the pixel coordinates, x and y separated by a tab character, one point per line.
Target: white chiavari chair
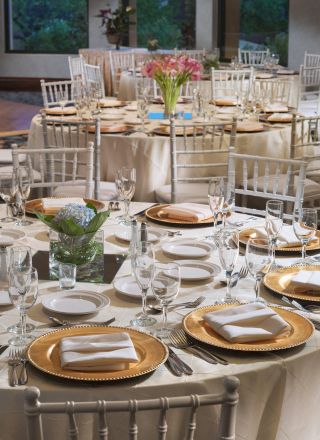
252	57
51	91
59	166
229	83
76	64
199	151
276	90
309	88
74	134
311	59
197	54
93	77
272	178
119	62
105	412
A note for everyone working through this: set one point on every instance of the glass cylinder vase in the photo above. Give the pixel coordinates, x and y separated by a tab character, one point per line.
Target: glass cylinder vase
85	251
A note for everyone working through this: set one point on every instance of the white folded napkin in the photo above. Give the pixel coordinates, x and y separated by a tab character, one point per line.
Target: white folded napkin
192	212
247	323
276	107
307	281
280	117
58	203
286	238
101	352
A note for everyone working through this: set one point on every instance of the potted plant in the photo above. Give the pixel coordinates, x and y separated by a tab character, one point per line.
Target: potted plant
116	23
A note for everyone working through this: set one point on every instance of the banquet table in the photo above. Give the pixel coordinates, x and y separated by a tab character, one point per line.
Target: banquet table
278	390
149	153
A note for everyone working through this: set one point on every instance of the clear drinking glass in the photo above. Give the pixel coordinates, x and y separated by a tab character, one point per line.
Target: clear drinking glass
305	227
8	191
142	111
258	260
228	201
165	286
216	200
228	246
126	184
20	258
24	181
144	273
67	275
273	225
23	292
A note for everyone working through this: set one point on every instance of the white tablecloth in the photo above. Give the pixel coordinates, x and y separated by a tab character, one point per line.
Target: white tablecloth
278	392
150	155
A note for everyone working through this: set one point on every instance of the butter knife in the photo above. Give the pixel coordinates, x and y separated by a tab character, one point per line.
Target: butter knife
180	363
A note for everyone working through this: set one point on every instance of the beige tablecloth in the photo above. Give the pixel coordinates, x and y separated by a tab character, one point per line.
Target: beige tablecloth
150	155
278	392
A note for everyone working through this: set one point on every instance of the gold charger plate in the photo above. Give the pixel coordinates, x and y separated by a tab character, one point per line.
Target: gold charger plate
67	111
110	129
245	234
35	206
164	130
44	354
301	331
247	127
153	214
112	103
280	282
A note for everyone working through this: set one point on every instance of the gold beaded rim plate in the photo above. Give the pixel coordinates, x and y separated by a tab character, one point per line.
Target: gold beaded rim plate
301	330
247	233
44	355
280	282
35	205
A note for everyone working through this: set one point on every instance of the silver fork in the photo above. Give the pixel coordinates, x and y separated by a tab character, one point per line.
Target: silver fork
23	378
179	339
243	272
13	362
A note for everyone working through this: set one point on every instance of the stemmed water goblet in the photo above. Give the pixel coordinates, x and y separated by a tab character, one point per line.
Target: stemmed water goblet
228	247
23	292
273	225
62	98
126	184
165	286
24	181
216	201
143	268
305	227
228	200
142	111
258	260
8	190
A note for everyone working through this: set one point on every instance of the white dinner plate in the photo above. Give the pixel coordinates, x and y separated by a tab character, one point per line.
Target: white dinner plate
193	270
5	298
14	234
187	248
131	107
75	302
128	286
110	117
153	234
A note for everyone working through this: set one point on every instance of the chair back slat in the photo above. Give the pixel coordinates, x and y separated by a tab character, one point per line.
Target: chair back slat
73	427
103	430
163	425
133	427
252	57
226	83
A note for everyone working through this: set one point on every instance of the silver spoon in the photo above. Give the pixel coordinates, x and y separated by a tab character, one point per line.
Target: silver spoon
157	309
58	321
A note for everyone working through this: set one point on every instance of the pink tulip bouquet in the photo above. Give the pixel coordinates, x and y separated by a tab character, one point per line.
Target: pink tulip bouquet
170	73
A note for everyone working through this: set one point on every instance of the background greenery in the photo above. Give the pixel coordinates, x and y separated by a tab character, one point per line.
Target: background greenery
49	25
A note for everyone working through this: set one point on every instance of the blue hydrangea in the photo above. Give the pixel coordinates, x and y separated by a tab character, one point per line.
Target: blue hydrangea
81	215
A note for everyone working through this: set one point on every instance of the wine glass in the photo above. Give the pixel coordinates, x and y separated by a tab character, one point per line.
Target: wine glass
144	272
142	111
216	200
23	292
62	98
126	184
258	259
228	200
273	225
305	227
165	286
8	190
24	182
228	246
20	258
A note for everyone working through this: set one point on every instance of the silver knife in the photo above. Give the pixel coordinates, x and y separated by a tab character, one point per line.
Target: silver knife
3	348
172	366
181	364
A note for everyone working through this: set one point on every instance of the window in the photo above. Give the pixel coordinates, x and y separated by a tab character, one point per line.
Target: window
171	22
255	24
46	26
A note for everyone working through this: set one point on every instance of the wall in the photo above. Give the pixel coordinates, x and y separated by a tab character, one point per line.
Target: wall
304	30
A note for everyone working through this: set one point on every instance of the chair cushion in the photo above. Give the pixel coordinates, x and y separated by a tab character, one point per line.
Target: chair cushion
187	192
9	169
6	156
107	191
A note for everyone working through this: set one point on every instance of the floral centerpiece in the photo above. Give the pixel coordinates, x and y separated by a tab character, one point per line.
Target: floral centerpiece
76	227
209	61
116	22
170	73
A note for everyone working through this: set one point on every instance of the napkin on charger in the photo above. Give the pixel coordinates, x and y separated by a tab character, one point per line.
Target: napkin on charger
192	212
286	238
276	107
55	203
247	323
100	352
306	282
280	117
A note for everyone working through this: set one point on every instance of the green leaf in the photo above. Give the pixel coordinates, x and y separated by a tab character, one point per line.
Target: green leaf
49	221
97	221
91	206
69	227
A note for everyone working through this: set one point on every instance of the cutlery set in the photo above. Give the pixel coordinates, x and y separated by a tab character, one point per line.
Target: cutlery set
18	366
296	305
